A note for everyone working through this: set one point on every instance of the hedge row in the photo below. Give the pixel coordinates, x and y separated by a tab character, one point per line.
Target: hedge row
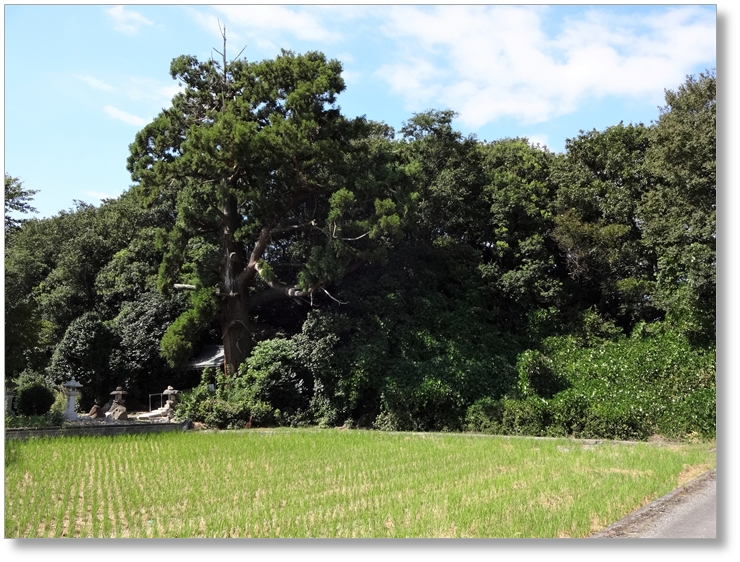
629	388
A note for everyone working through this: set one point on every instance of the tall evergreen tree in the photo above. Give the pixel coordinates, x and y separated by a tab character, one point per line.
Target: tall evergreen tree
272	200
680	214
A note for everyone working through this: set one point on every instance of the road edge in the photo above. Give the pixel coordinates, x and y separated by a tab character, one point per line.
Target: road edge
631	525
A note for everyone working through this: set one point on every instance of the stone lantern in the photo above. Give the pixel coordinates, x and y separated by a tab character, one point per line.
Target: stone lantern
118	395
118	410
169	406
71	388
171	395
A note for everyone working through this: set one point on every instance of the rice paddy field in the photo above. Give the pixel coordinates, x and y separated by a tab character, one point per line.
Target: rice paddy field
333	483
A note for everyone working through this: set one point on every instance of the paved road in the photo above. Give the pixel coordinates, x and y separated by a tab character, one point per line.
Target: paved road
689	512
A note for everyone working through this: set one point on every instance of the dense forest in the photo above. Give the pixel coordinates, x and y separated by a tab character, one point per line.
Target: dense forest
360	276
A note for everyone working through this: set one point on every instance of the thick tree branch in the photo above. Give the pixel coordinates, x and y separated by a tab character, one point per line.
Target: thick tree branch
275	293
279	291
265	237
294	228
259	249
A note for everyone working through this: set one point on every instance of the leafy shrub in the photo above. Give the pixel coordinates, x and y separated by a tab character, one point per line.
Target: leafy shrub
272	376
321	409
424	402
536	375
509	416
529	416
212	411
610	421
395	411
270	388
58	408
222	414
568	410
214	408
177	341
485	416
84	353
694	414
631	387
53	418
33	397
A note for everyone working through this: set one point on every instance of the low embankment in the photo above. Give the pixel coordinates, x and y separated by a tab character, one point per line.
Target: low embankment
91	430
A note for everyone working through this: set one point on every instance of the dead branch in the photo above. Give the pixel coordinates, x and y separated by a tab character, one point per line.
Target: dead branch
332	298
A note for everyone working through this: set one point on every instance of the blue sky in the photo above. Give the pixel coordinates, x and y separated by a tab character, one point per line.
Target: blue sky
81	80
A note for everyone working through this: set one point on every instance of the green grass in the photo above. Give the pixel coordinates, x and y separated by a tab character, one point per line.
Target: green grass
333	483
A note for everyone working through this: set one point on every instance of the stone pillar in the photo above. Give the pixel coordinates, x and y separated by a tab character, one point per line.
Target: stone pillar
9	402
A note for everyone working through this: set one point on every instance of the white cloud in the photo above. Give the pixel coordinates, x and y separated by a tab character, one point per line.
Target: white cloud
127	21
95	83
125	117
267	27
489	62
98	195
149	89
535	140
258	21
418	80
351	76
345	57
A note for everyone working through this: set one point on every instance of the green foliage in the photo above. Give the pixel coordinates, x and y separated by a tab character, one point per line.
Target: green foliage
485	416
270	388
519	257
650	382
696	415
452	283
24	328
628	388
214	408
680	214
598	223
529	416
616	420
413	349
343	202
130	272
88	259
568	410
16	201
53	418
536	375
178	341
85	353
33	395
138	330
509	416
273	376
